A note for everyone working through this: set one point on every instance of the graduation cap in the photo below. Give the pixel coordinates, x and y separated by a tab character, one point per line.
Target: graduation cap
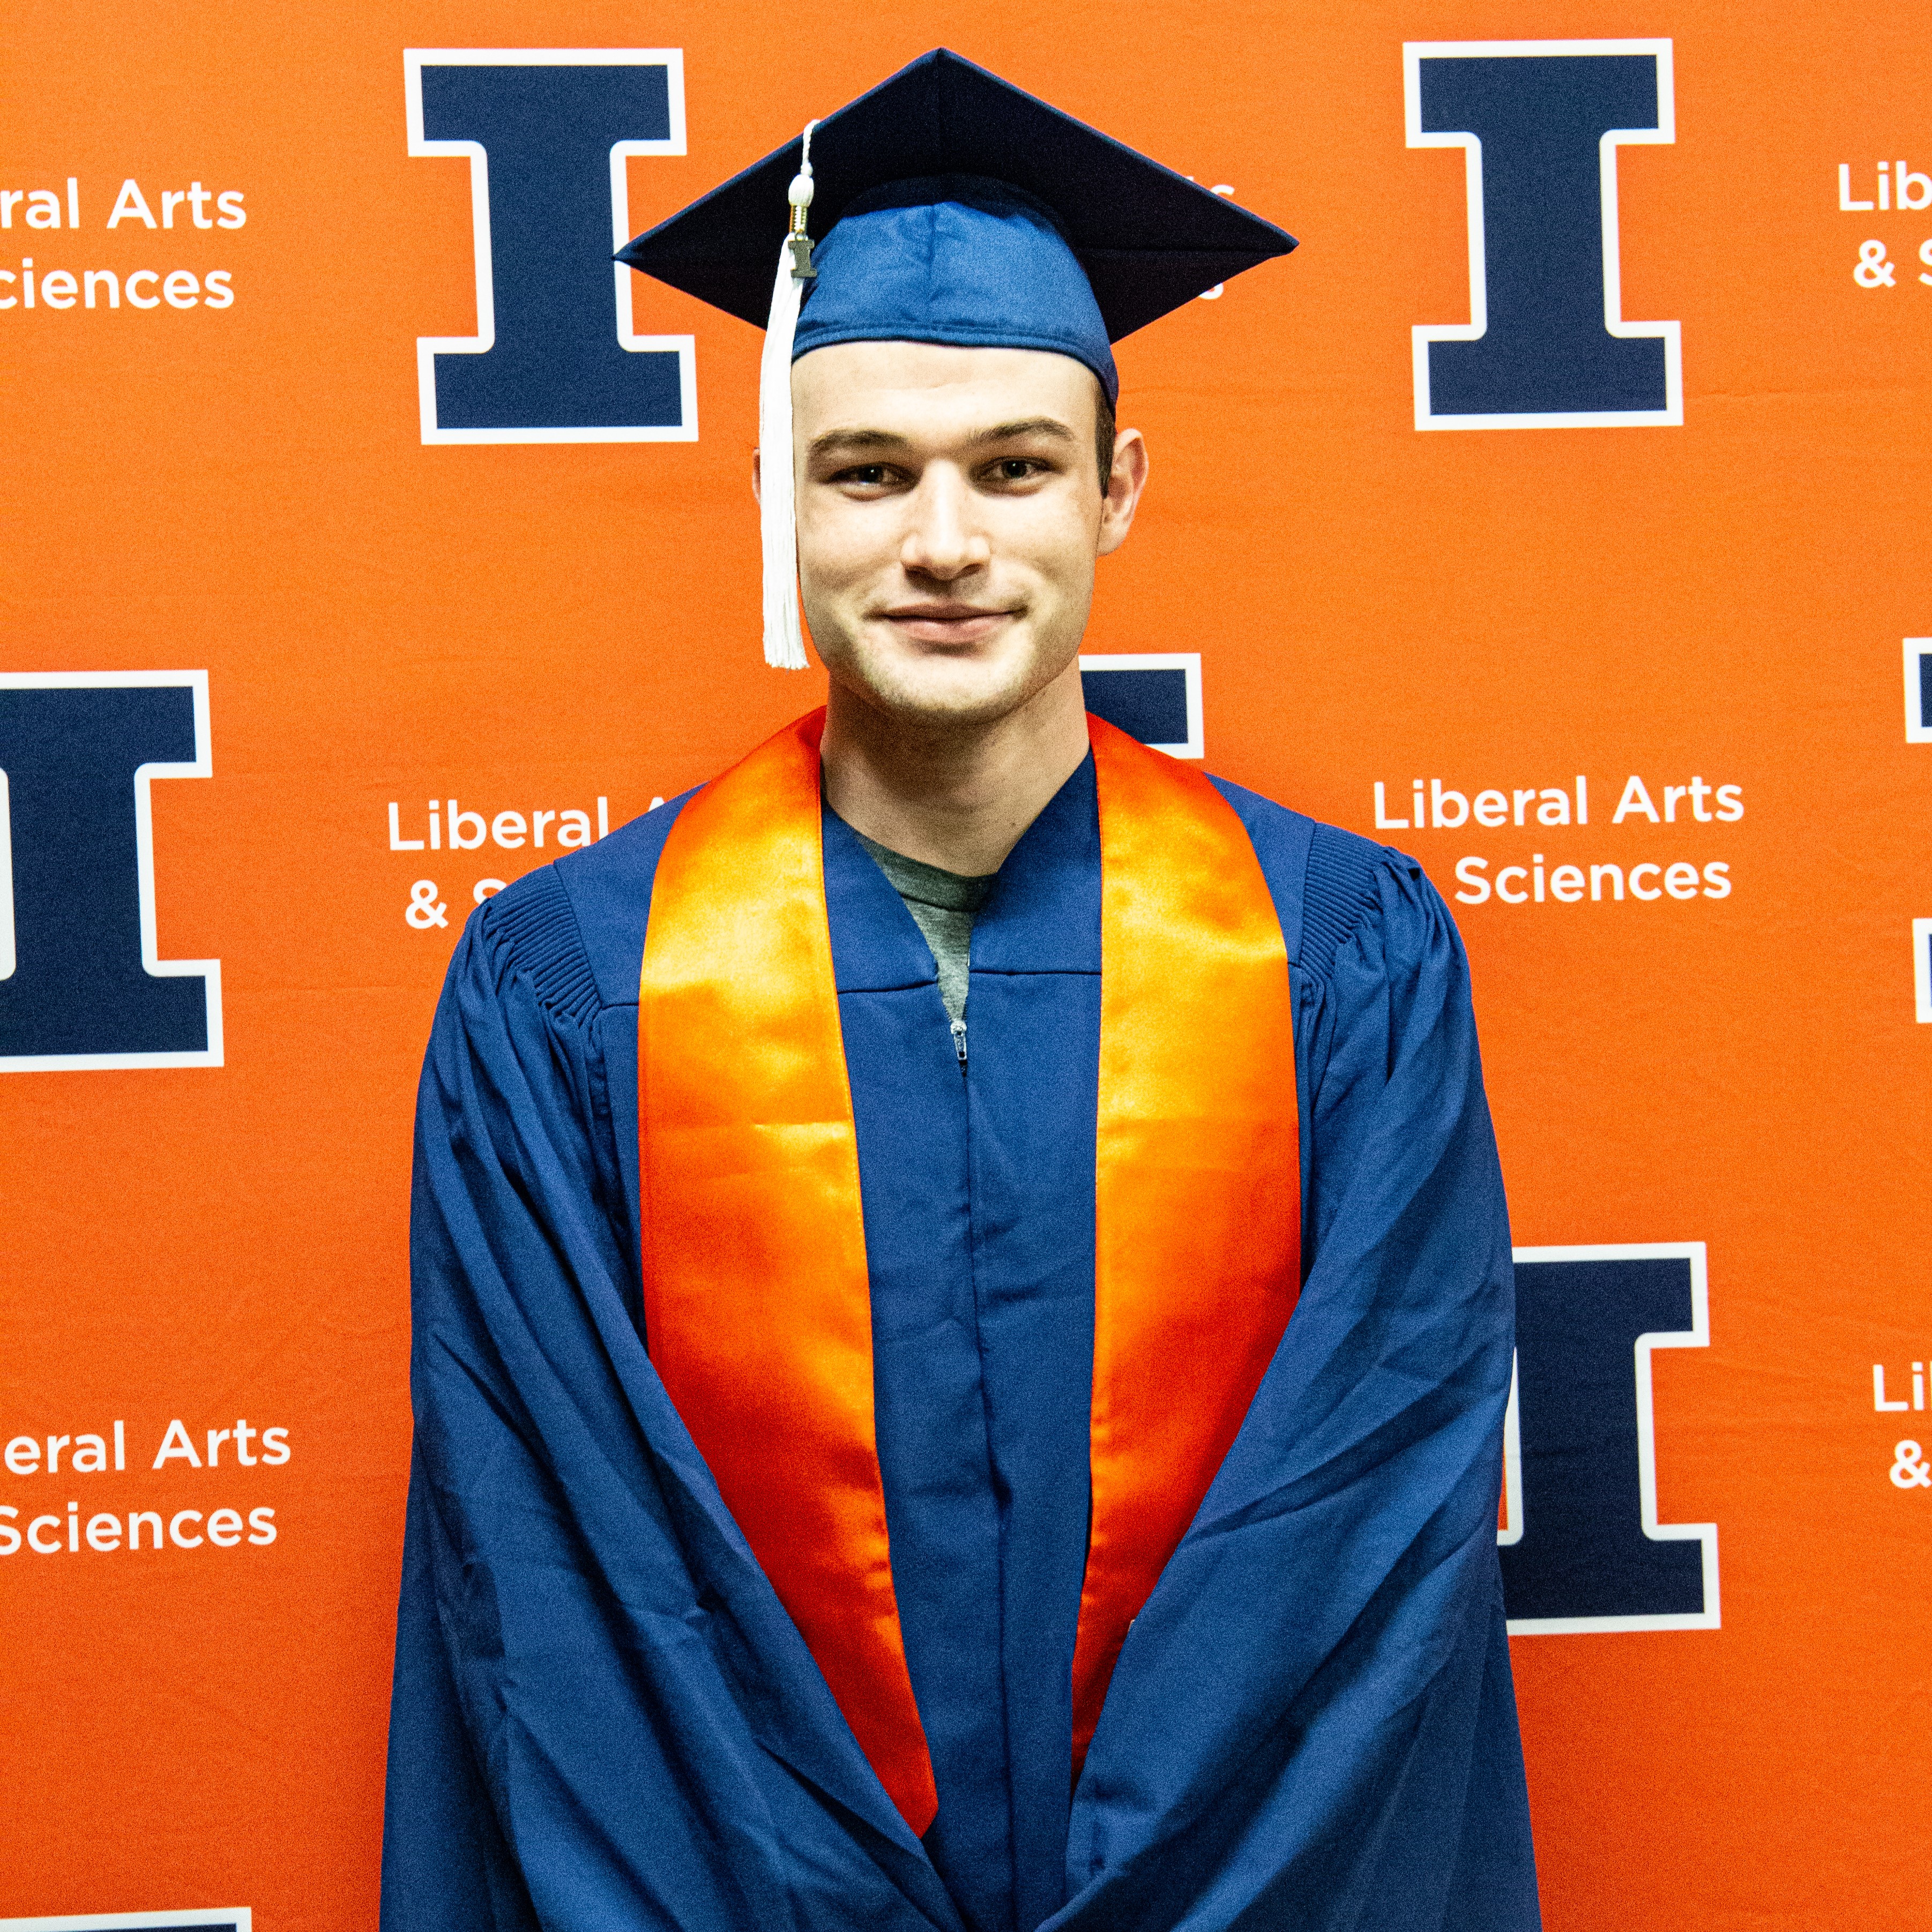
955	208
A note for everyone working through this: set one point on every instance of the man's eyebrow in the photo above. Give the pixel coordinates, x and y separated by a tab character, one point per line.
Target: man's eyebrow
858	439
1011	432
854	440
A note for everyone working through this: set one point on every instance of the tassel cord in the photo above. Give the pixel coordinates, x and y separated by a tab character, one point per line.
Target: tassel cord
784	640
777	525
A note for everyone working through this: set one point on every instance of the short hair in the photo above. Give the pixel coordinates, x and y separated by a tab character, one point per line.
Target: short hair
1103	433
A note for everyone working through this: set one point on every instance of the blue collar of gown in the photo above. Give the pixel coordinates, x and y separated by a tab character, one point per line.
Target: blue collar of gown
1043	915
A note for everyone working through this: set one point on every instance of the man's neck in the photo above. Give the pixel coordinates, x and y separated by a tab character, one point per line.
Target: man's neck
957	796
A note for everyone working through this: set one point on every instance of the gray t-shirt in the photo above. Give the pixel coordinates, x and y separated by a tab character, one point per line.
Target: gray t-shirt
943	903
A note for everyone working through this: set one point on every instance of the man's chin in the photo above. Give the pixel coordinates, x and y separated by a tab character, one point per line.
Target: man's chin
938	693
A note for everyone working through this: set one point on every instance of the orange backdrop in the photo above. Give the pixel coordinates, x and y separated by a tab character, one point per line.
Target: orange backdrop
243	490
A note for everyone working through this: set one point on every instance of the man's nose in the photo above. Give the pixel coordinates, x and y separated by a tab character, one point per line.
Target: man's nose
944	539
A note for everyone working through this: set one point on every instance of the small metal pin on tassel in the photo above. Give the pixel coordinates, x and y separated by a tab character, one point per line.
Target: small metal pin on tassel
784	639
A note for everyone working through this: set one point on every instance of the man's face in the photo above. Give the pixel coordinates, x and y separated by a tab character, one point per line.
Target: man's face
950	515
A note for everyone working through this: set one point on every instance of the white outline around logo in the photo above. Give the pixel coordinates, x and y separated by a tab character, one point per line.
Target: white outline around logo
1413	53
239	1918
1195	744
429	347
1697	1336
207	970
1917	728
1918	731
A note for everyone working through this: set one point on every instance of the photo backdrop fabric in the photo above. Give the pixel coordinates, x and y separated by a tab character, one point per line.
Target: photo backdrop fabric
1555	513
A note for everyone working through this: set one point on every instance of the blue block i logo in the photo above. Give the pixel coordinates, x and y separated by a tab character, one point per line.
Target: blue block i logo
548	131
1547	345
81	983
1582	1548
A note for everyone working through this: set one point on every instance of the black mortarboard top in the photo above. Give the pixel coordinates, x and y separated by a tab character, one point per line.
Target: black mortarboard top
955	208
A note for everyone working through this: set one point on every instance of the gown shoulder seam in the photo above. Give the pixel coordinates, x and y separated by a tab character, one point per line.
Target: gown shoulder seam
534	933
1341	890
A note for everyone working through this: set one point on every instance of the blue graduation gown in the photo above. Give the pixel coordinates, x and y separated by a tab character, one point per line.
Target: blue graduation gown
603	1716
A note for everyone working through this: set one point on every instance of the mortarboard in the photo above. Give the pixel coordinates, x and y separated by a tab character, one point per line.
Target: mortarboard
955	208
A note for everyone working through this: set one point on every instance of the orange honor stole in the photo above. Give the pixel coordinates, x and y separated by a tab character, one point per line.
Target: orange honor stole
758	1306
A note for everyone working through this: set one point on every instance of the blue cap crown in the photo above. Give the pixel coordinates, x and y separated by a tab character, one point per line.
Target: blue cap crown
957	259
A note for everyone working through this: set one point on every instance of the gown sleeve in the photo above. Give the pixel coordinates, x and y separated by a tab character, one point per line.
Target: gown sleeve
1312	1726
602	1715
510	1205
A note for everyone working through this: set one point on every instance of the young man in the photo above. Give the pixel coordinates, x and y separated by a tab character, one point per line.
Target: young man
867	1472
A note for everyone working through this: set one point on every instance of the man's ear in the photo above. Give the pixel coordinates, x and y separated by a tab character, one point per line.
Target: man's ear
1125	482
757	478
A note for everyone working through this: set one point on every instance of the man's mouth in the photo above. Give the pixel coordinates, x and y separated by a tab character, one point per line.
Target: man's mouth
939	622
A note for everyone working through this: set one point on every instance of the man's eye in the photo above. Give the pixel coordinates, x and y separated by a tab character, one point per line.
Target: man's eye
1017	469
869	475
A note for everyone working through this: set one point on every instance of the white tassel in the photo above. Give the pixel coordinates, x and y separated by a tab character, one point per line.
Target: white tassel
784	638
784	643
